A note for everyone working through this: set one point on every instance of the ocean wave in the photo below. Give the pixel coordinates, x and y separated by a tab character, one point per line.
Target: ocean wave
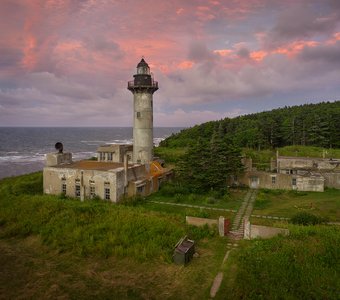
22	158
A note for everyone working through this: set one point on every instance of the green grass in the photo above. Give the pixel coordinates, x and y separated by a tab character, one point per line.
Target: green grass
175	193
32	270
170	155
304	265
62	248
260	158
53	247
187	211
309	151
87	228
288	203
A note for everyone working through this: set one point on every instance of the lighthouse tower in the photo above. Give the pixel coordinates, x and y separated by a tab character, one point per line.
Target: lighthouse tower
143	86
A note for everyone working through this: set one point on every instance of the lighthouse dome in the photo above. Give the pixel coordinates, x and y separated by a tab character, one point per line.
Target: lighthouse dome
143	67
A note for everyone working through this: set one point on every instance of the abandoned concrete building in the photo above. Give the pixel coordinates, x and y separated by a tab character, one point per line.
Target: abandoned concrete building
293	173
120	170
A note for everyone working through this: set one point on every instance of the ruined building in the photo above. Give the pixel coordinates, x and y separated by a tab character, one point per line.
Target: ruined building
294	173
120	170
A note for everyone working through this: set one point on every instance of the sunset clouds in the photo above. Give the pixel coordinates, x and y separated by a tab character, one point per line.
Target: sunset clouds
67	62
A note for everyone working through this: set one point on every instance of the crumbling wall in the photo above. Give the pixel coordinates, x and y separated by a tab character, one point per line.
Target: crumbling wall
265	232
332	180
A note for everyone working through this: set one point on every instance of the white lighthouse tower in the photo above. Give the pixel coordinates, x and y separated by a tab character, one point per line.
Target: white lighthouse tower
143	86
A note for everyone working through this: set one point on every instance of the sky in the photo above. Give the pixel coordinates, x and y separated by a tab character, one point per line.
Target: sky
67	62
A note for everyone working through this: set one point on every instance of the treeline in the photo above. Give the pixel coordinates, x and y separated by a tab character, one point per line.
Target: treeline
203	167
307	125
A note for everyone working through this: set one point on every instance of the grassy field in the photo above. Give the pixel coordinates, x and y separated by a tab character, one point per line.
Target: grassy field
178	194
52	247
304	265
287	203
70	249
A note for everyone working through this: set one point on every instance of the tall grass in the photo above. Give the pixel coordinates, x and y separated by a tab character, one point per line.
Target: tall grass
85	228
304	265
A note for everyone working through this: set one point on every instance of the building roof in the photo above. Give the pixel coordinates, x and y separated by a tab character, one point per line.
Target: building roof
91	165
142	63
113	147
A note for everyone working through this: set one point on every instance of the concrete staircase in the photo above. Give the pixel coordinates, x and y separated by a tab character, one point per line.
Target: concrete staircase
237	228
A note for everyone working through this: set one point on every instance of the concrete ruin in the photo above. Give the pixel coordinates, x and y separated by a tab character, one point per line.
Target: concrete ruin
120	170
293	173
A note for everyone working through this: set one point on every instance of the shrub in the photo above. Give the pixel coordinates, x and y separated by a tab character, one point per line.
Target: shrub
132	201
304	218
211	200
200	232
261	201
178	198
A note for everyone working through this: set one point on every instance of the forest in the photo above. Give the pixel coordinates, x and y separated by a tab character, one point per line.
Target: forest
307	125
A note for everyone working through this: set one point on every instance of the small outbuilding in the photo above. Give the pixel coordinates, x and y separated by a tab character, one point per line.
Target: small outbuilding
184	251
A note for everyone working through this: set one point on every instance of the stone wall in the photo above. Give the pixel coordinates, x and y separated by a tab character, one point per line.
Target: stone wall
200	221
265	232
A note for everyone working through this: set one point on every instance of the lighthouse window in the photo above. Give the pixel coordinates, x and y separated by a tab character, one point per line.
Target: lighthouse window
138	114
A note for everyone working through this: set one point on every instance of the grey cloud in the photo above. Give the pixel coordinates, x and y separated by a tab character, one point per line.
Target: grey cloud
329	54
301	21
198	52
9	57
243	53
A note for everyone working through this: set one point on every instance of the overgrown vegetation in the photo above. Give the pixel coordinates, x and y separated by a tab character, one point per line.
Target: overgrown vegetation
176	192
304	218
84	250
207	165
308	125
289	203
304	265
87	228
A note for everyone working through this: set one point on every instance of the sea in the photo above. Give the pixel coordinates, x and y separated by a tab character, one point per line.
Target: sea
23	150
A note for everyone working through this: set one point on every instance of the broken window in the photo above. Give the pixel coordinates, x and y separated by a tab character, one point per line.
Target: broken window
273	179
293	181
77	191
107	194
92	191
140	189
63	188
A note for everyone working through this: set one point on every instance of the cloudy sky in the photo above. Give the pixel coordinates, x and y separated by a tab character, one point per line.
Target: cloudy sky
67	62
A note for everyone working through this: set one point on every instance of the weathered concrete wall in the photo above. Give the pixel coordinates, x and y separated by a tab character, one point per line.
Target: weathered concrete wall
261	179
143	127
54	178
285	162
311	184
200	221
54	159
116	151
264	232
332	180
